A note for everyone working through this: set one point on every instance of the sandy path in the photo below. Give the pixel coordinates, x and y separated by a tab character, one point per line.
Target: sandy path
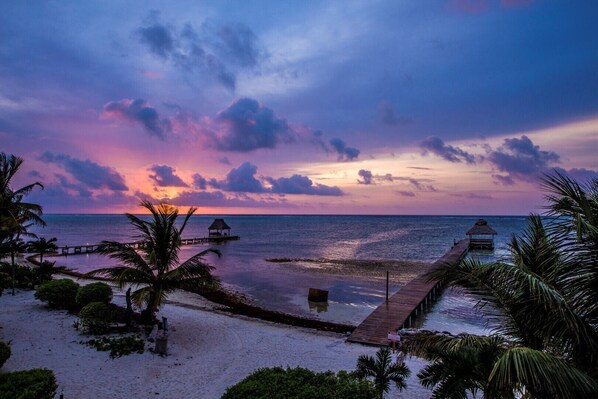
208	351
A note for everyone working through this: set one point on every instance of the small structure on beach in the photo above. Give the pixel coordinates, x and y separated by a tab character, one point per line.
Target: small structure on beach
219	228
481	235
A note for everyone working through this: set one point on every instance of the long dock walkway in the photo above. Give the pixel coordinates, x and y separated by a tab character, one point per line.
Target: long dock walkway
91	248
401	309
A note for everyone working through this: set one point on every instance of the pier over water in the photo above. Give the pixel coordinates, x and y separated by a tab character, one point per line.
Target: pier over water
403	307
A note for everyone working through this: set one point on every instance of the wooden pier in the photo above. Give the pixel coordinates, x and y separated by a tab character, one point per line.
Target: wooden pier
403	307
91	248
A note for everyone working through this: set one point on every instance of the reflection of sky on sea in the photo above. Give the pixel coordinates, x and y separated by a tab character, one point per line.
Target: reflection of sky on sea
274	286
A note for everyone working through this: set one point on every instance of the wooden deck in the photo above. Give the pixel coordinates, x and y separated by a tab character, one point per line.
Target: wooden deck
401	309
91	248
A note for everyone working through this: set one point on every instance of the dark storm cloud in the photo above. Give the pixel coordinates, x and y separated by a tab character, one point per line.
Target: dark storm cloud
435	145
138	111
88	173
344	152
298	184
520	159
165	176
220	50
246	125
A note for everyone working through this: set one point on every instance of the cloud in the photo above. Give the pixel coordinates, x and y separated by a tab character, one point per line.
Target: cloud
344	153
435	145
138	111
199	181
366	177
164	176
406	193
246	126
298	184
388	116
471	196
88	173
520	159
241	179
218	50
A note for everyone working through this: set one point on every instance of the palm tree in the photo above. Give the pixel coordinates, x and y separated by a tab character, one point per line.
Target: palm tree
383	370
14	213
155	266
13	247
42	246
543	305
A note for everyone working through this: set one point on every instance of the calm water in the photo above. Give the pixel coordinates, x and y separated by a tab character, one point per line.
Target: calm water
243	267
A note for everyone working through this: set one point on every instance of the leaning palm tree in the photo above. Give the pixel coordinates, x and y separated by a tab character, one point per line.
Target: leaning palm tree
42	246
382	370
542	303
154	269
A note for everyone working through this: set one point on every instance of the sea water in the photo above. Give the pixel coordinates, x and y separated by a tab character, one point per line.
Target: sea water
243	266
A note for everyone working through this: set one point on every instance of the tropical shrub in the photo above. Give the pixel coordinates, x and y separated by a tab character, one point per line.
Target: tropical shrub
58	293
25	277
118	346
4	352
95	292
300	383
28	384
4	281
96	317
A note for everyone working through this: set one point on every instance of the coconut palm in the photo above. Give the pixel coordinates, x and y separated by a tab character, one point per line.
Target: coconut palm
42	246
382	370
13	247
15	214
547	336
155	268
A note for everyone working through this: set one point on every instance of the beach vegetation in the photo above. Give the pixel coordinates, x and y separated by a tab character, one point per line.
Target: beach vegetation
154	269
60	294
94	292
4	352
42	246
118	346
542	303
300	383
24	277
97	317
16	215
383	371
28	384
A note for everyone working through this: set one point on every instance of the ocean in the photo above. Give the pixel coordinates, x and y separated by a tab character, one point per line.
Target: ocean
243	266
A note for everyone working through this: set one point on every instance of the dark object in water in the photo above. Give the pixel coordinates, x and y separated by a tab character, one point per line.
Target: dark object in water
316	295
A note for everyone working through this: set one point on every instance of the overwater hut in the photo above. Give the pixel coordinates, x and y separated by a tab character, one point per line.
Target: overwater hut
219	228
481	235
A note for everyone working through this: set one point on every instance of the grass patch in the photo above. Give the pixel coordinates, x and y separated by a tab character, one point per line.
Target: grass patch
118	347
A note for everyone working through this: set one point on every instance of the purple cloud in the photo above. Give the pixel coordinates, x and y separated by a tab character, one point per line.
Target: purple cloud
138	111
247	126
344	153
164	176
366	177
199	181
435	145
406	193
241	179
88	173
298	184
520	159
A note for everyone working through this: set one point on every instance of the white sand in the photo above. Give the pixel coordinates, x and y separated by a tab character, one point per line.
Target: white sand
208	352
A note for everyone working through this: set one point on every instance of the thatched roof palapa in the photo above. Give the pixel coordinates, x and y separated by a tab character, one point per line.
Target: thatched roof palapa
481	228
219	224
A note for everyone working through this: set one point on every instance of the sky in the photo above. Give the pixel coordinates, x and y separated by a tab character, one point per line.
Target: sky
440	107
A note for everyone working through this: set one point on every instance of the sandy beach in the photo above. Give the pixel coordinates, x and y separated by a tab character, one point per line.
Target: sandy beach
208	351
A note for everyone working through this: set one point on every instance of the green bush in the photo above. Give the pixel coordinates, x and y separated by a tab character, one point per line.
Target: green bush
96	317
95	292
28	384
25	277
118	346
4	352
58	293
300	383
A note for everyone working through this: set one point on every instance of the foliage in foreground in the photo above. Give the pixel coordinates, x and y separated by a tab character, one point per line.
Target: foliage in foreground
4	352
94	292
96	317
118	346
300	383
25	277
383	371
28	384
543	304
59	294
